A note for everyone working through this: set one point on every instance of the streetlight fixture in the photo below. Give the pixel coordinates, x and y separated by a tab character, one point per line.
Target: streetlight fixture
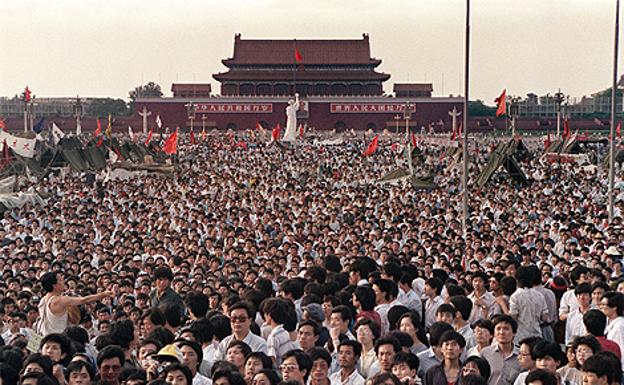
408	109
78	114
190	112
513	112
559	99
397	119
32	106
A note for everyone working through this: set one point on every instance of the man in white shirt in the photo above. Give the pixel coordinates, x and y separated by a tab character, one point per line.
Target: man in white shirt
612	305
241	318
574	323
483	302
348	355
385	295
433	289
569	302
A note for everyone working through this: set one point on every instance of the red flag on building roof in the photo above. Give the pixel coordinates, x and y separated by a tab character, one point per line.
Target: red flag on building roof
171	144
27	95
372	147
298	57
276	133
501	102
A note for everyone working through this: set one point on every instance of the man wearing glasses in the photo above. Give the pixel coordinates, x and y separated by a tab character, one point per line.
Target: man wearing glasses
16	321
240	321
296	366
612	305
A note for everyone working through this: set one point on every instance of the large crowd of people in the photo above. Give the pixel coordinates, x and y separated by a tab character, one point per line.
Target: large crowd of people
262	264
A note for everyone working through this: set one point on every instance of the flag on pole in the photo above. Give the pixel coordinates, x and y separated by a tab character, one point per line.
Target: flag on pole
158	121
276	133
39	126
57	133
100	141
109	128
301	132
414	141
566	129
203	134
130	133
98	130
27	95
149	136
298	57
259	126
171	144
501	103
372	147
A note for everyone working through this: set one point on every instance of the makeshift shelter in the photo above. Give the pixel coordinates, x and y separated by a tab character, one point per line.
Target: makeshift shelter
401	175
505	154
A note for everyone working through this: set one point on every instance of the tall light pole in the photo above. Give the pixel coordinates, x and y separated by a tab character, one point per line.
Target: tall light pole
613	105
407	115
190	112
78	112
203	123
32	112
397	118
559	98
513	112
465	124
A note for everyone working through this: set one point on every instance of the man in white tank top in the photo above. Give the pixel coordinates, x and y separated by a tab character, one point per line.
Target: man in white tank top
54	305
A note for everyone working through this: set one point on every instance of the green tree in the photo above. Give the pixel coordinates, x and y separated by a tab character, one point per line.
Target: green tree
105	106
478	108
149	90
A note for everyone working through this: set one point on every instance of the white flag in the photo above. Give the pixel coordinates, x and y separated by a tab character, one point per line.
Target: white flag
57	133
158	121
131	133
21	146
78	129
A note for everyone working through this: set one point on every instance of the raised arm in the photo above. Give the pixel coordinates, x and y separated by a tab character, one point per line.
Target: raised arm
62	302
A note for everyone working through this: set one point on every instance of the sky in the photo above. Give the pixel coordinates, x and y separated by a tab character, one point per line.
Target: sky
105	48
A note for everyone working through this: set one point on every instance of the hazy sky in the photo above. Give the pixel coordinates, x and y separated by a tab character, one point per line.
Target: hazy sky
107	47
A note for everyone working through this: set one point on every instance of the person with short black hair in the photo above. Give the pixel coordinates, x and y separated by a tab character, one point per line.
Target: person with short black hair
541	377
405	367
241	319
433	289
595	322
110	360
463	308
597	371
367	332
192	356
475	365
548	356
348	355
308	334
386	348
483	302
163	292
432	356
321	362
574	322
612	305
278	341
527	363
502	356
449	371
178	374
296	366
527	306
79	373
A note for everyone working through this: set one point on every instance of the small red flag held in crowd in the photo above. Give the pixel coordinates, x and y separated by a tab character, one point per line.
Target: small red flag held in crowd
192	137
301	131
566	129
171	144
414	141
203	134
276	133
259	126
98	130
501	102
100	141
149	136
372	147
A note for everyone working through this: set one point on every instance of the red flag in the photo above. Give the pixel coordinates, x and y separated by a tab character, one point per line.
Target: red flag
414	141
27	95
298	57
501	102
171	144
149	136
276	133
566	129
301	131
547	142
372	147
100	141
3	125
203	134
618	130
192	137
98	130
454	134
259	126
394	147
241	144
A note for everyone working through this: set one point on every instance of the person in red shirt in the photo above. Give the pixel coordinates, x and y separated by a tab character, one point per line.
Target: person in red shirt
595	323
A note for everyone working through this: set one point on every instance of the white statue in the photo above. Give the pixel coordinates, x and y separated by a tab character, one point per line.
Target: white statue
291	120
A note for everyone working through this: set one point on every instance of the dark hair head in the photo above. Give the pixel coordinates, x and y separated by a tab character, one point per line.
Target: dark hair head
163	272
202	330
387	341
472	379
595	322
122	333
541	375
221	326
604	364
48	280
193	345
111	351
548	349
484	324
463	305
197	303
589	341
372	325
182	368
583	288
504	318
452	335
435	332
381	378
8	374
318	353
408	358
267	363
162	335
244	348
616	300
365	295
508	285
483	365
44	361
303	361
436	284
76	366
271	375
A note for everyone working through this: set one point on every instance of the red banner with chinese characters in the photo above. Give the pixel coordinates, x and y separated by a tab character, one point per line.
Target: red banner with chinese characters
234	108
358	108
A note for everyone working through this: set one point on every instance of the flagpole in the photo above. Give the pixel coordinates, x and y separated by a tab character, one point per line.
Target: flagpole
613	105
295	69
465	124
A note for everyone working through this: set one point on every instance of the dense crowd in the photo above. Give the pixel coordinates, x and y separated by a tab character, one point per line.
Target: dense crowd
263	264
